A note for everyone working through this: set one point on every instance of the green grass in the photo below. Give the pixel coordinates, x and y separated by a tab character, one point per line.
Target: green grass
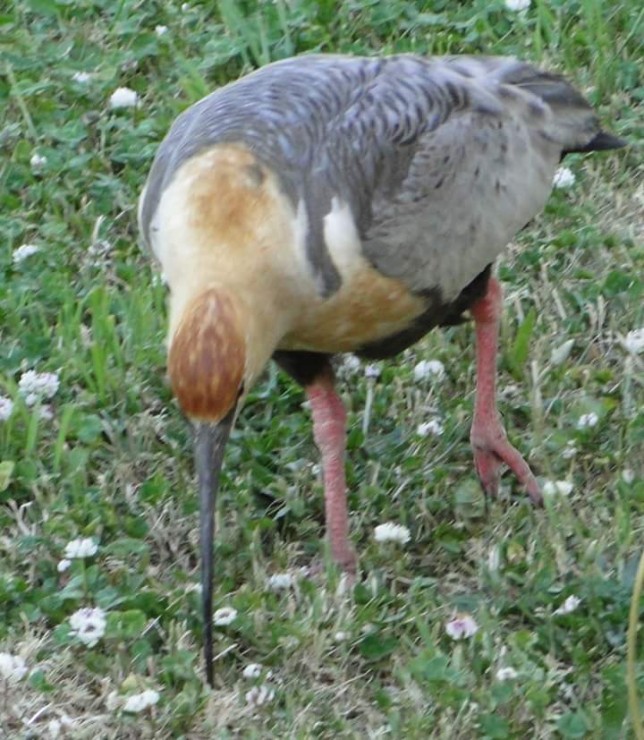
114	461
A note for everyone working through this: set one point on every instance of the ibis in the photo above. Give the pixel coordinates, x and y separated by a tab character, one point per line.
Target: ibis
327	204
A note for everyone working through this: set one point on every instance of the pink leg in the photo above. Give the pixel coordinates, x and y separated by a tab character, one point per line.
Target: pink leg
329	425
489	441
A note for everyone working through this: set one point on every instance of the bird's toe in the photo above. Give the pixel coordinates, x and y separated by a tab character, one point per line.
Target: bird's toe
489	458
488	470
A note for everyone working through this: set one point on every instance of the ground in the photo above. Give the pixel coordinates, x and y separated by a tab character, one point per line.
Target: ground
107	456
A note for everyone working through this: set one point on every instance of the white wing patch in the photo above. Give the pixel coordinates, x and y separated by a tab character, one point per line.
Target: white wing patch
342	239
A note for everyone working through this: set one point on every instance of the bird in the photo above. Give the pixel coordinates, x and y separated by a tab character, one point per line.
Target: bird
326	204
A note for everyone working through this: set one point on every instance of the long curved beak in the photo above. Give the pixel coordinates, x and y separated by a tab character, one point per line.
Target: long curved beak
210	442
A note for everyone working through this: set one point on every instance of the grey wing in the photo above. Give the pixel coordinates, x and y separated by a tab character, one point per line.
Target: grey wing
456	179
371	147
471	185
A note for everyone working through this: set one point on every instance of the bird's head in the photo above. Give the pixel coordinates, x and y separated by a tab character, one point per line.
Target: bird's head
207	357
217	349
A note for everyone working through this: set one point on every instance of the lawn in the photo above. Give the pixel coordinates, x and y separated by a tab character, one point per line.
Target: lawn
99	450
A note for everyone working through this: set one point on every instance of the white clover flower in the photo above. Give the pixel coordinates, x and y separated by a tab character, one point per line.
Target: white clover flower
429	369
462	626
88	625
224	616
340	636
35	386
561	353
23	251
252	670
506	674
569	451
557	487
185	7
634	341
390	532
260	695
63	565
628	476
123	97
564	178
37	161
82	77
56	726
6	408
46	413
160	30
372	371
433	427
350	365
12	667
569	605
517	5
140	702
587	421
280	581
83	547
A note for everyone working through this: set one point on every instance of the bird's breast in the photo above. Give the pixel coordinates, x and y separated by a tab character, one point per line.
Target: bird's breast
367	305
365	309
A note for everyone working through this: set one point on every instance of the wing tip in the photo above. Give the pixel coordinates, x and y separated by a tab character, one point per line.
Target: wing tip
602	141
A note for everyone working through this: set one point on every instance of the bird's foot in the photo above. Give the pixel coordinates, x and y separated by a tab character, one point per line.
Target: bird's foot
344	556
491	451
489	441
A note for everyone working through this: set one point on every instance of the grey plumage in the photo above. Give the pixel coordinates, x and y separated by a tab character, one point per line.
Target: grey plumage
440	160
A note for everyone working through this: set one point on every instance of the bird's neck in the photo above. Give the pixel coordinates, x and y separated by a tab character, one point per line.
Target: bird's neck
219	344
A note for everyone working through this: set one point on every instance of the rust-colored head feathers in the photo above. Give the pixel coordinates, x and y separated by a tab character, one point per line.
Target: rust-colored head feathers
207	356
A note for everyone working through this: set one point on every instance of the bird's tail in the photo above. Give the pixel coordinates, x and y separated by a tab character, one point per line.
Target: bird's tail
573	124
602	141
574	121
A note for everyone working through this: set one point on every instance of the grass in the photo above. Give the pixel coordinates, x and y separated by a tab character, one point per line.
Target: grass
114	461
